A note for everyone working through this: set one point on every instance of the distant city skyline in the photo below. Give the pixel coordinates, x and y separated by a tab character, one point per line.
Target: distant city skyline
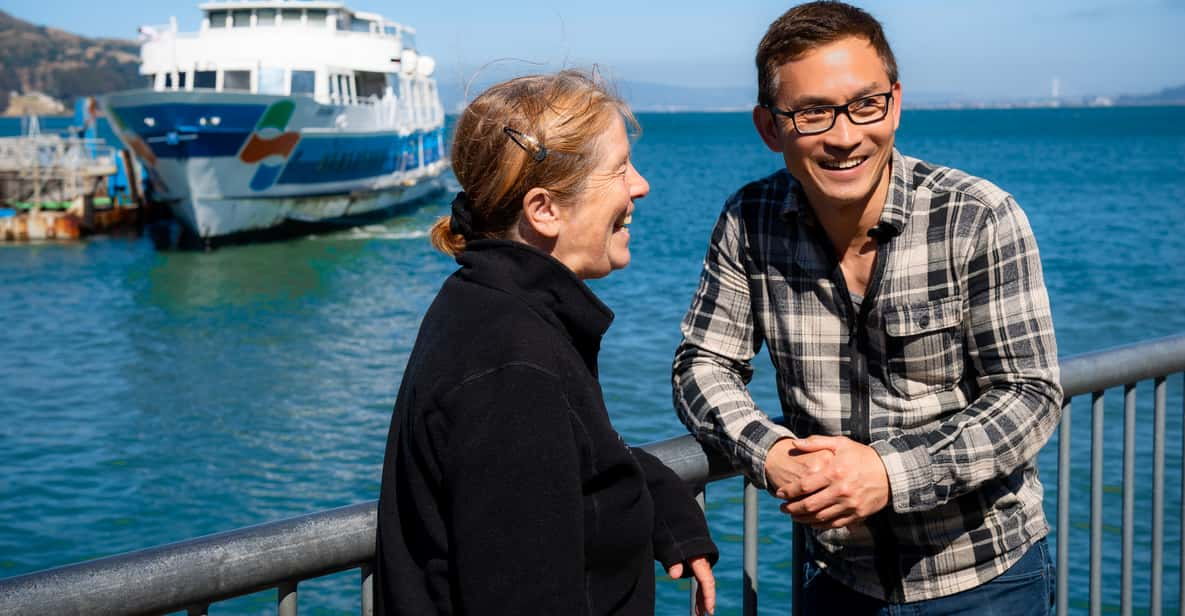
1010	49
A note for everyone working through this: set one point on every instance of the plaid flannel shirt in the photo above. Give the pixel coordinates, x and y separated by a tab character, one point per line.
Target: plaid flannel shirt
948	369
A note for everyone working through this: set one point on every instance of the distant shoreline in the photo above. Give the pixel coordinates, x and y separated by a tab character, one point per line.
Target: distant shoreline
747	109
1001	107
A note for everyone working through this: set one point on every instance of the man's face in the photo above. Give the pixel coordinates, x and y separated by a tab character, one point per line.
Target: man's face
849	164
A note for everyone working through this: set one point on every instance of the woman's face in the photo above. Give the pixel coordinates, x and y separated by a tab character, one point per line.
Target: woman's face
594	235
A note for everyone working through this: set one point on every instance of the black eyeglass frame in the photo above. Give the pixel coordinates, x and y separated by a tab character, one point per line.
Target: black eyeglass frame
845	109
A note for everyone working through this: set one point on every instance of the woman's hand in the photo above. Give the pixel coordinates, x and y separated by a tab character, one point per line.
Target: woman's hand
705	598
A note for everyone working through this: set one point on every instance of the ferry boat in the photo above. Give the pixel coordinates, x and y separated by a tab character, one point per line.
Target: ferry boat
283	116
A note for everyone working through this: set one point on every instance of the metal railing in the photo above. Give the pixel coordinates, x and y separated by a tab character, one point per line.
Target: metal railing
190	575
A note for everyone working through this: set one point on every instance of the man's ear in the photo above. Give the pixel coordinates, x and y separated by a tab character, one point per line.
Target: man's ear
896	90
766	125
541	213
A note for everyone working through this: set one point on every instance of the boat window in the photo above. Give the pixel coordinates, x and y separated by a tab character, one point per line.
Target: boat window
265	17
391	30
181	80
317	17
151	80
205	79
409	40
236	80
271	81
218	19
304	82
370	84
241	19
168	81
359	25
290	17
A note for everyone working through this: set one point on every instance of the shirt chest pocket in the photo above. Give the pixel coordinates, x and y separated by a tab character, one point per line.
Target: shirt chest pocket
924	347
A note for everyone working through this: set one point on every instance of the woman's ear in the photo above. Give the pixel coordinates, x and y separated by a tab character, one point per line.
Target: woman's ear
541	213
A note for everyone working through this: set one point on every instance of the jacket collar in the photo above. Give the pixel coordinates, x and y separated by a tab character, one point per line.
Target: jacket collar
545	284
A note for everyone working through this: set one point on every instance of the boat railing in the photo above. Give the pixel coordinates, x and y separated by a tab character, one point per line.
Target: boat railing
54	152
149	30
192	574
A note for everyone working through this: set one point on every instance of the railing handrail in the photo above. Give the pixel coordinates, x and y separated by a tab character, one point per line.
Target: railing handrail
215	567
1120	365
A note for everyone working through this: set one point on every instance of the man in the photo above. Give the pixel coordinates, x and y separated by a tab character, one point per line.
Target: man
906	316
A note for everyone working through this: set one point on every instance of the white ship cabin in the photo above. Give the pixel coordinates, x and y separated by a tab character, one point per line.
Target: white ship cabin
291	48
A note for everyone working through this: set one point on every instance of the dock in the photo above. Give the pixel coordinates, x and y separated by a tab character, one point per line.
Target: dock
55	187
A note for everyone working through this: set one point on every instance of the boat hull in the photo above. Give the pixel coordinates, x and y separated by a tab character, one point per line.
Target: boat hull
234	164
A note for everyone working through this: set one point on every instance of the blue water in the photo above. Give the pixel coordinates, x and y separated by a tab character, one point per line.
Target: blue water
155	396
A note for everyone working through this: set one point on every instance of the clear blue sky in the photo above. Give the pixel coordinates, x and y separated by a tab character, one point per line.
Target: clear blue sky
982	49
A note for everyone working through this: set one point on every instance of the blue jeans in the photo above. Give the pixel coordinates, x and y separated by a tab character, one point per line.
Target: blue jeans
1025	589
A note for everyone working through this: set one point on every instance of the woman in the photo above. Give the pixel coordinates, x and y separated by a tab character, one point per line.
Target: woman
505	489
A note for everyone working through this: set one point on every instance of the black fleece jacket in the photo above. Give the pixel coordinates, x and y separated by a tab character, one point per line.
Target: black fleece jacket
505	489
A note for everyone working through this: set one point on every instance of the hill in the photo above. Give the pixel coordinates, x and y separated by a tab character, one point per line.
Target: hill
65	66
1167	96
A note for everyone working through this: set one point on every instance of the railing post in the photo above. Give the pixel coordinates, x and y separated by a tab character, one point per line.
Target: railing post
1129	496
701	499
797	562
749	579
1096	504
367	590
1157	499
1063	510
1181	562
286	599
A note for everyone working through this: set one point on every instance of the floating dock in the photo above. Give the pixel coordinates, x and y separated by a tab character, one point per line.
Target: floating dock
56	188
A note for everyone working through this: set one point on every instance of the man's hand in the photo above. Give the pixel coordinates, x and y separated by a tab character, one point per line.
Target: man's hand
705	597
851	488
784	464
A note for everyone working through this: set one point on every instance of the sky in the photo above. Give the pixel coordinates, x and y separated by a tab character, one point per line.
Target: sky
975	49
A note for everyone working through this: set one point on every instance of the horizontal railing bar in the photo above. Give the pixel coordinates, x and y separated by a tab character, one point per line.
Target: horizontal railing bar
1088	372
200	571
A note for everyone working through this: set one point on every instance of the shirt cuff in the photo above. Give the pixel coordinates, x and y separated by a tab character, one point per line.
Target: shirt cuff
907	464
770	433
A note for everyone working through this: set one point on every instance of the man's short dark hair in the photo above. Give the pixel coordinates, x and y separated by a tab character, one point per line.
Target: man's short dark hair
810	26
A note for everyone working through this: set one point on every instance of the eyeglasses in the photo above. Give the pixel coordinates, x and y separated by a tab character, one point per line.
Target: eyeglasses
819	119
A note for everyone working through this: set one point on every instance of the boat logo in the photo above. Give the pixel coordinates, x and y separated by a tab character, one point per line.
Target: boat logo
269	145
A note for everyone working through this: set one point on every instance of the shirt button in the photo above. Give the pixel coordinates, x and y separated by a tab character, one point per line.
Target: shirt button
924	321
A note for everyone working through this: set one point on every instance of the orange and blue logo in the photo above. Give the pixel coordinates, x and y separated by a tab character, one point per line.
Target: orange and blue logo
269	145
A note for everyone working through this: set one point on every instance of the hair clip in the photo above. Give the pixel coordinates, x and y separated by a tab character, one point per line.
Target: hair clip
521	139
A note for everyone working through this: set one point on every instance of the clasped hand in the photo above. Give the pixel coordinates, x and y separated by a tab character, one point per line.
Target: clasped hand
827	481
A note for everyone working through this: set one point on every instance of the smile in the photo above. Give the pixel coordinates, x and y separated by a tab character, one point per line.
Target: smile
842	165
623	221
